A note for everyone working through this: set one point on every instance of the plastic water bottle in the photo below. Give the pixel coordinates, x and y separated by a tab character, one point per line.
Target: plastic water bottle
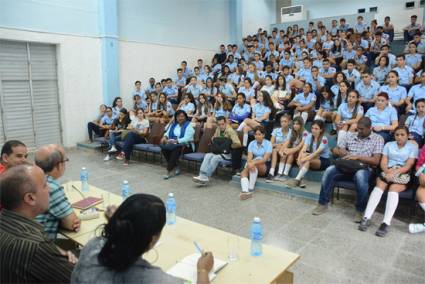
125	190
420	170
84	178
256	237
171	209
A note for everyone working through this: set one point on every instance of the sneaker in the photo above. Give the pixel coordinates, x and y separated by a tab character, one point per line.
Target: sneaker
112	150
177	171
382	231
120	156
416	228
200	179
238	174
245	195
358	217
281	177
107	158
269	178
168	175
364	224
125	163
293	183
302	184
320	209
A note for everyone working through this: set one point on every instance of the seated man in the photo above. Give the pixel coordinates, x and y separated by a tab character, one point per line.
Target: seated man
13	153
363	146
26	254
51	159
211	160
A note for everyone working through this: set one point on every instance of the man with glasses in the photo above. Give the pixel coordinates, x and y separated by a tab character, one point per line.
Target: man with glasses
52	159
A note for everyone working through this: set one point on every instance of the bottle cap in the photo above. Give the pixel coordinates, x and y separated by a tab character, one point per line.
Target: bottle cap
125	182
257	219
83	168
171	194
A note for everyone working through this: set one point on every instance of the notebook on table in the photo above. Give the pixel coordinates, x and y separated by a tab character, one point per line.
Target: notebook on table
87	202
186	268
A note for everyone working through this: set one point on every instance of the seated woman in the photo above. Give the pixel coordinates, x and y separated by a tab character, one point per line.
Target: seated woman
397	94
314	154
203	110
281	95
268	85
420	193
177	140
381	71
326	111
138	130
187	105
117	105
241	110
133	230
261	111
304	102
161	109
383	116
348	115
222	107
279	136
259	152
415	123
247	89
118	126
102	119
398	158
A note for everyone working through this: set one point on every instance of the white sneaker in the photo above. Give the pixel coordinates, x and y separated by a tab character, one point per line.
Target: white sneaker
200	179
416	228
113	150
107	158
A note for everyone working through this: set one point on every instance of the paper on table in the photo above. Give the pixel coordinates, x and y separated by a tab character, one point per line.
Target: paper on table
186	268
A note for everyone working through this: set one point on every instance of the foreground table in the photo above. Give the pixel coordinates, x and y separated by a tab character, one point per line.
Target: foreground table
177	242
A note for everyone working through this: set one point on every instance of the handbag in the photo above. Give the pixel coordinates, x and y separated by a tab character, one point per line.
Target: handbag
349	167
221	145
400	179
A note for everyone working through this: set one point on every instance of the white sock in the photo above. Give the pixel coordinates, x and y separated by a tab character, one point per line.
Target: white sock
342	134
390	207
287	169
244	184
422	205
333	126
245	139
252	179
374	198
281	167
271	171
301	173
304	115
318	117
241	126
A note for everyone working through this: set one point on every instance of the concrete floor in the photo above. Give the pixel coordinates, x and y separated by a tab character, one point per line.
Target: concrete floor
332	249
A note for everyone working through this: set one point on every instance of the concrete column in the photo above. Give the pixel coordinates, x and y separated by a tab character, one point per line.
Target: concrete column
235	21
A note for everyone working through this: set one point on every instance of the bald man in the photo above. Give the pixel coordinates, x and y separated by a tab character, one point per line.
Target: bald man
26	254
52	159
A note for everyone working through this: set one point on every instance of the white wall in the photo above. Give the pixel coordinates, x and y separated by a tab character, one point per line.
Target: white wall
257	14
400	17
79	77
140	61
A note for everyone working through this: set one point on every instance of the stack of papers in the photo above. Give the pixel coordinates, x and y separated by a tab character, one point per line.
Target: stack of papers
186	269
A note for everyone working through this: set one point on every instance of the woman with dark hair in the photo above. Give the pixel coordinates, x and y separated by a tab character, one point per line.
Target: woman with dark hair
116	256
117	105
381	71
177	140
118	126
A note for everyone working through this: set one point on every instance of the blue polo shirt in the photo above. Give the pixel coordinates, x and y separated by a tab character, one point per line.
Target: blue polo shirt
301	99
380	74
241	110
259	110
398	156
170	91
284	62
415	124
346	113
195	90
279	136
368	92
405	75
188	107
313	82
227	89
413	59
220	112
382	118
324	146
304	73
249	93
346	54
107	120
259	150
397	94
417	92
353	74
326	104
329	71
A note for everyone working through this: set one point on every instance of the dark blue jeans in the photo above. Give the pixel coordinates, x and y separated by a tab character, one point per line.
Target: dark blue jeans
131	139
361	179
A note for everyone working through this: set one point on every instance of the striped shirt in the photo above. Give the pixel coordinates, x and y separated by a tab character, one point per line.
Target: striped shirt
59	208
364	147
27	255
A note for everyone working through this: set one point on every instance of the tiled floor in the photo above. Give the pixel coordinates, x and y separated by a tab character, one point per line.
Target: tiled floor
332	249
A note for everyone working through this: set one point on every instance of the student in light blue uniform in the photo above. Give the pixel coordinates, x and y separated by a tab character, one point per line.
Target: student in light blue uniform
170	91
316	81
413	59
383	116
396	93
194	88
241	110
415	93
138	90
353	76
416	122
117	105
314	154
398	157
187	104
180	80
405	73
381	71
222	107
259	153
247	89
339	77
304	102
367	89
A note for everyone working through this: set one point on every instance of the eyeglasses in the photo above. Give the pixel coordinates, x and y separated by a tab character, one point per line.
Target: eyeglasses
64	161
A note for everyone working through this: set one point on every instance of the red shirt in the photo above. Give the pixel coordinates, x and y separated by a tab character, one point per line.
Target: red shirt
2	168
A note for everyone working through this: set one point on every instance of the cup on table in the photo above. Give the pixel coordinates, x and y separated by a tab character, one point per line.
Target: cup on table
232	248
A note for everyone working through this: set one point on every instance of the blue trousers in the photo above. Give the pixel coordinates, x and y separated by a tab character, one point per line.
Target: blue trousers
131	139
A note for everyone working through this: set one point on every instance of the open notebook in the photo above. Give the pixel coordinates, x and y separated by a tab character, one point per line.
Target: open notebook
186	268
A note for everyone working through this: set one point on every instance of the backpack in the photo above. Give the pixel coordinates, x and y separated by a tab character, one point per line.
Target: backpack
221	145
